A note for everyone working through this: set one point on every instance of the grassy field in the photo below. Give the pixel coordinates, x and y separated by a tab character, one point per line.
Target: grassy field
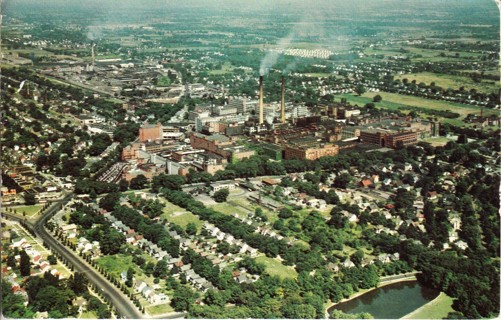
436	309
226	68
275	268
88	315
115	264
230	209
251	206
438	141
449	81
394	101
178	215
29	210
159	309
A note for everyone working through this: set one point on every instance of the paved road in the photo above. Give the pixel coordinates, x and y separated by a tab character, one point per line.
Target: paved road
123	305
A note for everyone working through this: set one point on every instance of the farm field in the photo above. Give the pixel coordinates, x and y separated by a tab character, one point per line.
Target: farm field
394	101
449	81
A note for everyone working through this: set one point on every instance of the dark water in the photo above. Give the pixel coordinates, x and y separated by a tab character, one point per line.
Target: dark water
390	302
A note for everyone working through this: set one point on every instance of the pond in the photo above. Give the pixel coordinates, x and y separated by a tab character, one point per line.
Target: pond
390	302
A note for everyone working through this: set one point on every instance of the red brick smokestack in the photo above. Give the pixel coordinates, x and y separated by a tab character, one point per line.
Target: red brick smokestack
282	106
261	112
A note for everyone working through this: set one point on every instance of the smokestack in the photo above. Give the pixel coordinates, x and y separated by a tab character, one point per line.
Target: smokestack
282	106
261	112
93	45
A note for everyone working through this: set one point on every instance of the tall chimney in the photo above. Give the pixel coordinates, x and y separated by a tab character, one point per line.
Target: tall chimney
261	111
92	50
282	106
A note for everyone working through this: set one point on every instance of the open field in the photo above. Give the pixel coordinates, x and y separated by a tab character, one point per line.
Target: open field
226	68
449	81
179	216
244	203
394	101
438	141
88	315
436	309
115	264
30	211
230	209
159	309
275	268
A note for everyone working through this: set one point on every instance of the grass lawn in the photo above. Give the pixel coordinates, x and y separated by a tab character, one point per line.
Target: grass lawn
88	315
230	209
275	268
251	206
115	264
394	101
30	210
178	215
225	68
185	218
159	309
436	309
449	81
438	141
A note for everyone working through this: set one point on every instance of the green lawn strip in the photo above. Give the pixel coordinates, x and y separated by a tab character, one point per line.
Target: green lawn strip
30	210
438	141
251	206
178	215
436	309
449	81
275	268
159	309
88	315
395	101
116	264
229	209
185	218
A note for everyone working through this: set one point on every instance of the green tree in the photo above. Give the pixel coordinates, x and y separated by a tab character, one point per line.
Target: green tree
377	98
342	180
183	298
191	228
360	89
29	199
130	277
221	195
138	182
24	264
78	283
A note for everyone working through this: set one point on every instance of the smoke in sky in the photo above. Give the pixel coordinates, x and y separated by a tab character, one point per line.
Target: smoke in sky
309	24
272	56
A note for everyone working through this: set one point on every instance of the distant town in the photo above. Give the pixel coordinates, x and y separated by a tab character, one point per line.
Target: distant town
195	170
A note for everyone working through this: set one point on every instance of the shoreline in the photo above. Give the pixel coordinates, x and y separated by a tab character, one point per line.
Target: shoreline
423	306
382	284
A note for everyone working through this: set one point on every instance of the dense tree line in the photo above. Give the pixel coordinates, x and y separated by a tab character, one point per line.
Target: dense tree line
48	293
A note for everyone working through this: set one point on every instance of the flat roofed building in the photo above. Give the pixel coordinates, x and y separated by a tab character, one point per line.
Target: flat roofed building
310	152
150	132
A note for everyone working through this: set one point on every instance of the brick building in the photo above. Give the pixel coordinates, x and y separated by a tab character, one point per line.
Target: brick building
310	153
388	139
150	132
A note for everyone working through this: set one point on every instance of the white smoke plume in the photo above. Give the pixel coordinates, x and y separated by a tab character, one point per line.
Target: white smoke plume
272	55
310	23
